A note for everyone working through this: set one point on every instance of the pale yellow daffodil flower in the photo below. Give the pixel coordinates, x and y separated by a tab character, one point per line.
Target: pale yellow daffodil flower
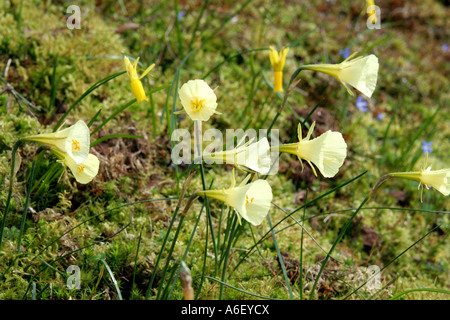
360	73
198	99
83	172
327	152
74	140
251	201
437	179
251	156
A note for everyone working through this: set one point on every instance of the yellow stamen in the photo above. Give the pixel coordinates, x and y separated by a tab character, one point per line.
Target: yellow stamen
198	104
247	202
75	145
80	168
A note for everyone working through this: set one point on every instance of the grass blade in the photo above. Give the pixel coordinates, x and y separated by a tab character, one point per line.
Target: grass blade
11	182
280	259
419	290
84	95
113	279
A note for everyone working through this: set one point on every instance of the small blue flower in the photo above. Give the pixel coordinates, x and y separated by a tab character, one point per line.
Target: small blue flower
361	105
444	47
426	147
180	15
380	116
345	53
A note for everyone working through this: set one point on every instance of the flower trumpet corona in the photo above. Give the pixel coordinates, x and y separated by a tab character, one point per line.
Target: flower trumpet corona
248	157
74	141
135	80
198	99
360	73
251	201
327	152
277	61
83	172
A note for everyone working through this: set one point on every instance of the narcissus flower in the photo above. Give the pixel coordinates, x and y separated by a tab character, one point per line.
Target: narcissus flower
248	157
198	99
277	60
74	140
438	179
360	73
135	80
83	172
327	152
251	201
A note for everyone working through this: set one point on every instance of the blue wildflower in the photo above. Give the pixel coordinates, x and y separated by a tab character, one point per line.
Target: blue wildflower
444	47
380	116
345	53
361	105
426	147
180	15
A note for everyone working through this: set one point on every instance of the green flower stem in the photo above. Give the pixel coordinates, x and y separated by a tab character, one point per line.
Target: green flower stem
280	258
227	255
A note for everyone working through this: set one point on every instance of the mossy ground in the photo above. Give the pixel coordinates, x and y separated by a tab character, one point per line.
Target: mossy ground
83	225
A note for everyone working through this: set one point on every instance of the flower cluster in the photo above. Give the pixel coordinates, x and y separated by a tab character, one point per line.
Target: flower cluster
71	146
327	152
251	200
